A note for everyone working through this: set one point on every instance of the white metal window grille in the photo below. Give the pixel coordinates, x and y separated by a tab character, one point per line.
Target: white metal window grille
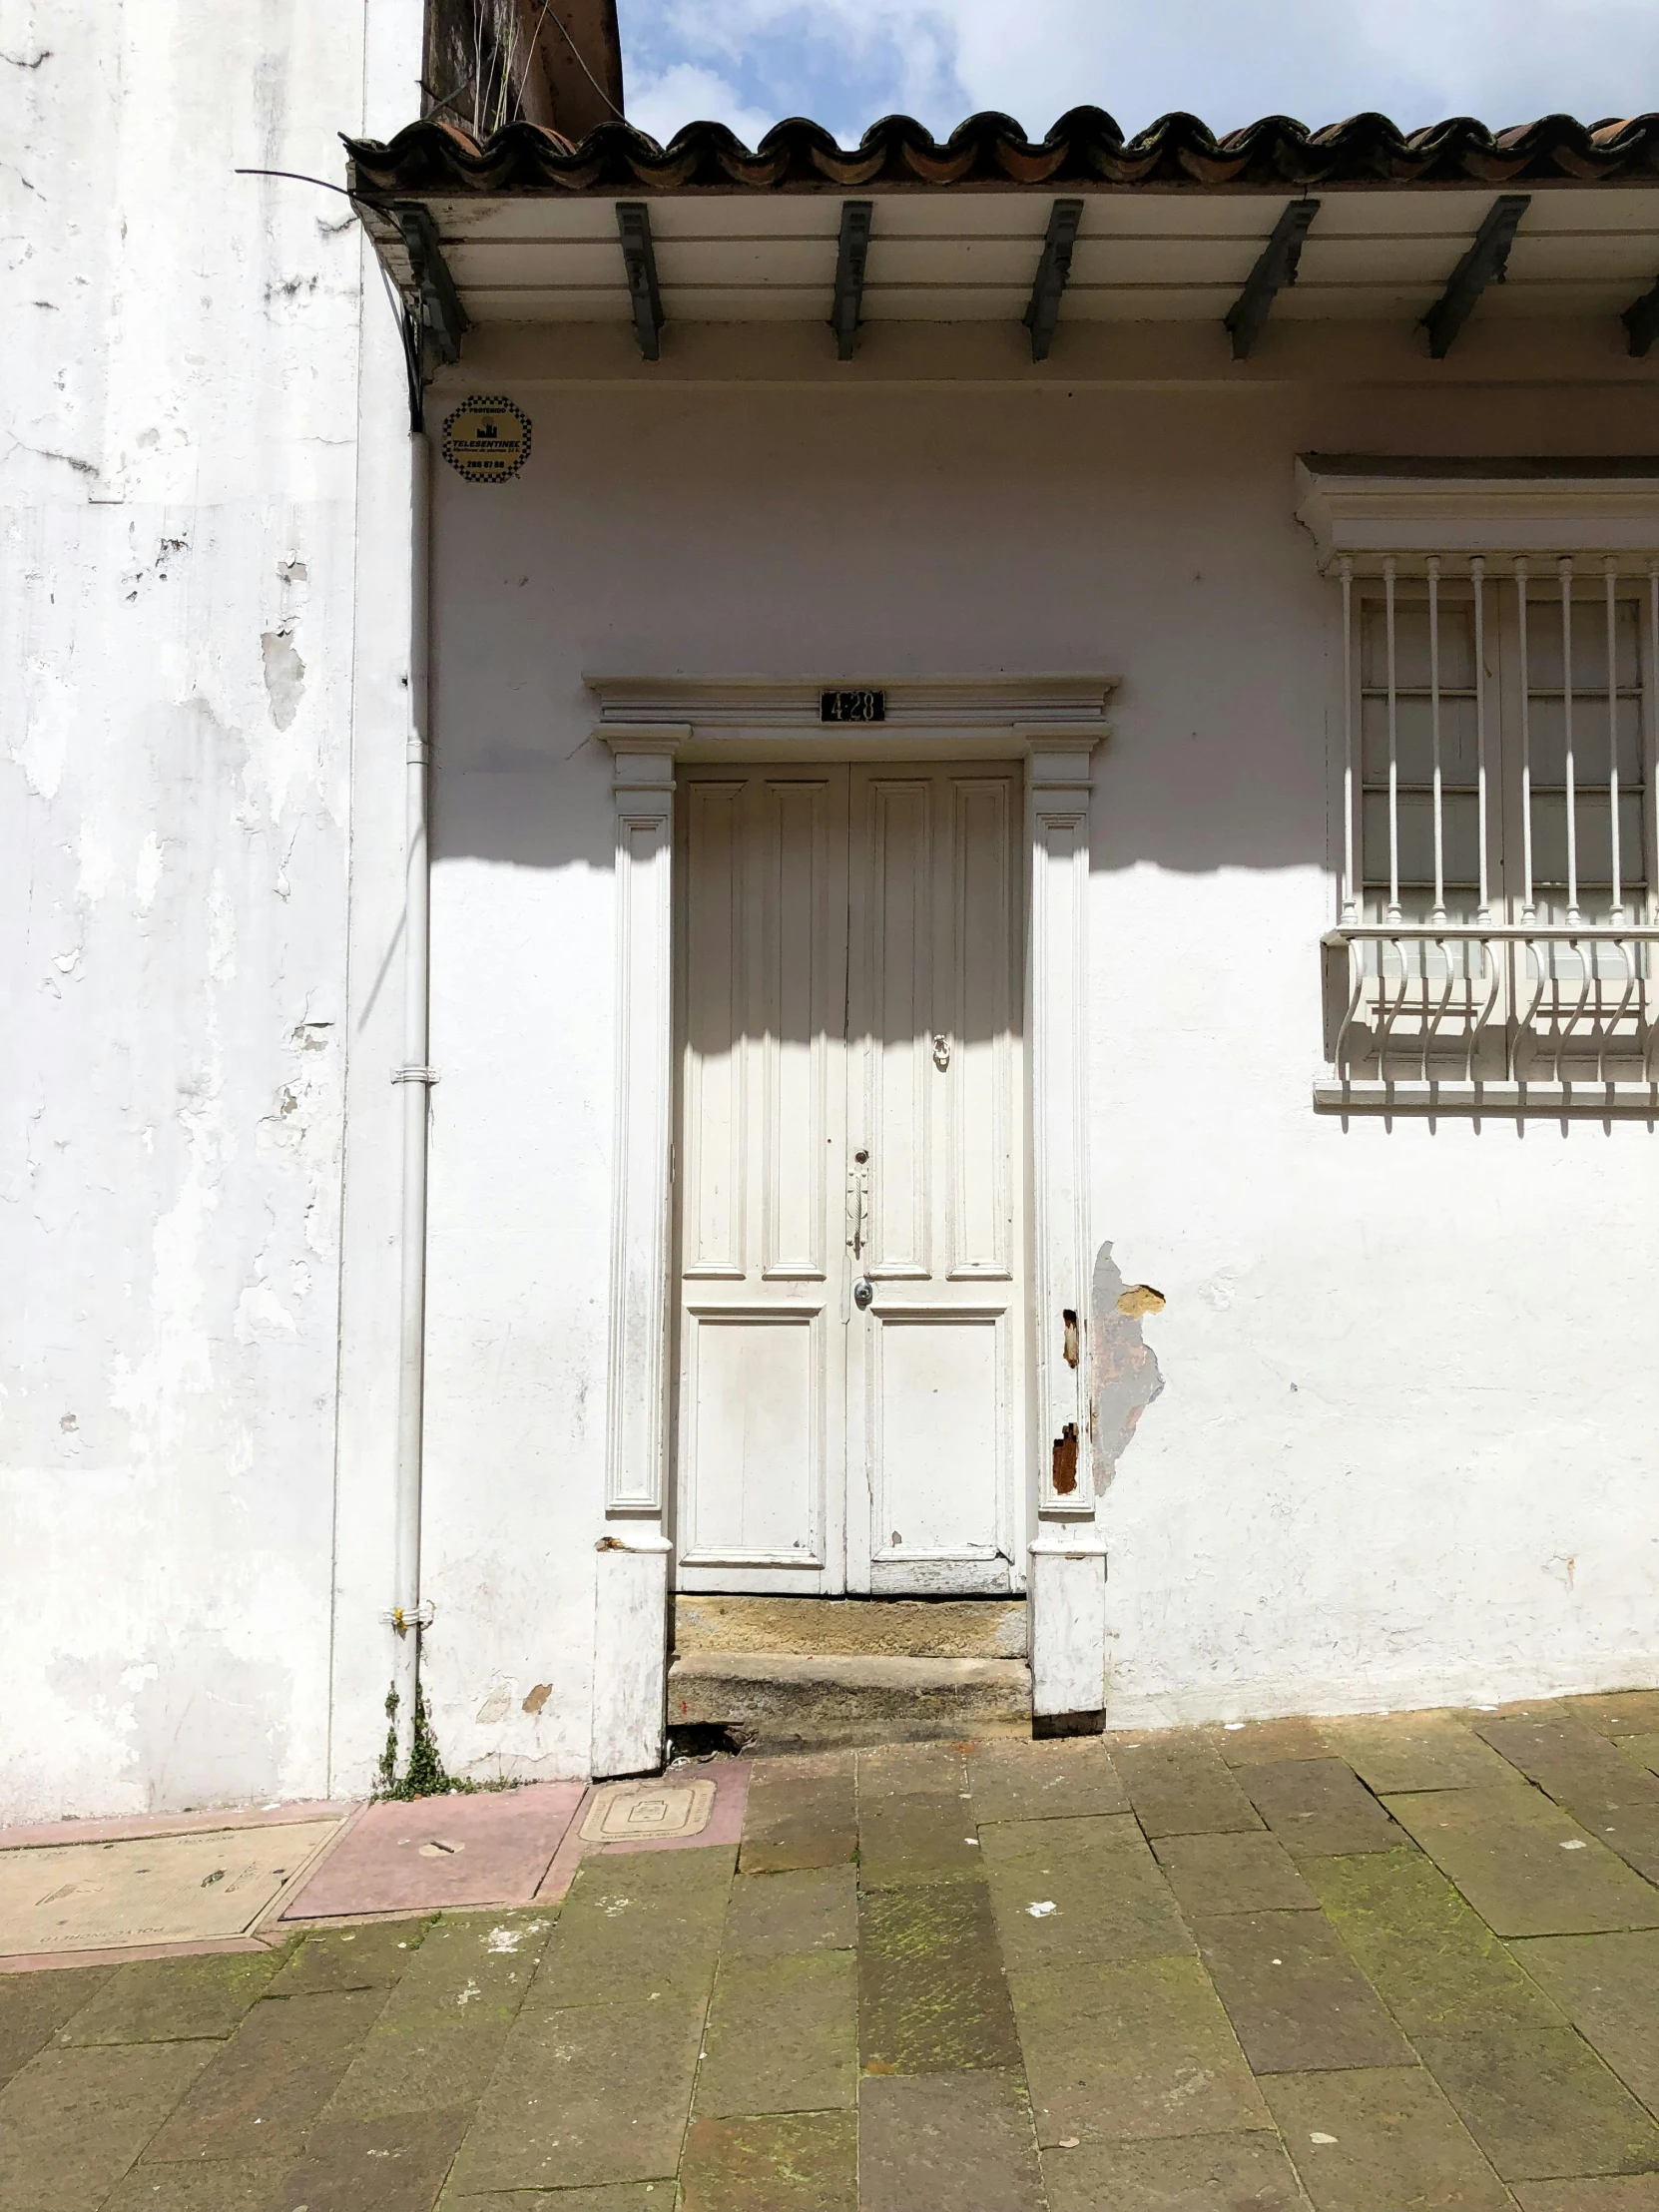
1497	931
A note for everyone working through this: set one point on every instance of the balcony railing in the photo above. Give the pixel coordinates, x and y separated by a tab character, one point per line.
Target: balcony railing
1521	1016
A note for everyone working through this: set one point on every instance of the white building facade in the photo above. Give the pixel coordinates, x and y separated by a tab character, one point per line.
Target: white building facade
949	896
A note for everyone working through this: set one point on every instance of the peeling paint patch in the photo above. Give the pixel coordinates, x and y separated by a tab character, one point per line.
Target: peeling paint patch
1124	1376
538	1698
1065	1460
285	676
496	1705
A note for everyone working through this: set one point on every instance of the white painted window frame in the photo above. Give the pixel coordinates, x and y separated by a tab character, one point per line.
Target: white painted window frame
1429	521
1055	724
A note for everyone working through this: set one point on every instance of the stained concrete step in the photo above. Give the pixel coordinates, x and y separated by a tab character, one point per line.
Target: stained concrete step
894	1628
789	1700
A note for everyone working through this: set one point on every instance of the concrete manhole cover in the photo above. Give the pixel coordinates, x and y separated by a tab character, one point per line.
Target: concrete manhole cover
153	1889
642	1813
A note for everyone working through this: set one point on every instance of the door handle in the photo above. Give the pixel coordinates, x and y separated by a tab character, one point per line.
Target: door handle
858	1203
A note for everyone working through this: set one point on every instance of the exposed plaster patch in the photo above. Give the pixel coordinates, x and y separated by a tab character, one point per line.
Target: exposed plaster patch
1124	1379
285	676
496	1706
537	1698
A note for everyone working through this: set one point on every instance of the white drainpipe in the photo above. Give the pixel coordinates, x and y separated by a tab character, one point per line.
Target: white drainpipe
415	1076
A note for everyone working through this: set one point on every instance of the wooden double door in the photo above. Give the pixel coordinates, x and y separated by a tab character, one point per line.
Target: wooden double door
849	1180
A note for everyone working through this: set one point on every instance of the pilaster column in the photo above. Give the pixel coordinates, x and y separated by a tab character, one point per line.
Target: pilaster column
1068	1558
631	1590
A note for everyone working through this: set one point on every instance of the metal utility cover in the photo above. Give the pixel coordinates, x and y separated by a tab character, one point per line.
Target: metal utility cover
631	1814
151	1889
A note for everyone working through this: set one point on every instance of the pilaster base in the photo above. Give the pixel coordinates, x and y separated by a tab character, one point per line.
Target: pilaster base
630	1651
1068	1629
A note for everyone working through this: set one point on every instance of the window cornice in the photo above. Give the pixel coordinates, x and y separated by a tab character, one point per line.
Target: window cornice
1366	510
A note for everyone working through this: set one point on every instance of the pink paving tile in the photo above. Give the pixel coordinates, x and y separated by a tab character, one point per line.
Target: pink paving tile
731	1780
435	1854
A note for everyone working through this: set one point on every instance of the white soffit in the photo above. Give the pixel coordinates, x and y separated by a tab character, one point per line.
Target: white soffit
1416	508
972	255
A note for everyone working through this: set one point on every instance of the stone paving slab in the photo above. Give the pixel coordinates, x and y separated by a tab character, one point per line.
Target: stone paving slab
801	1813
1608	2193
1318	1808
1191	2173
1382	2142
805	2162
173	2000
1218	1977
1232	1874
1608	1986
1126	2051
222	2185
1050	1781
35	2006
585	2098
933	1996
956	2142
1181	1786
1643	1749
1297	2001
73	2121
1531	2091
1078	1890
782	2036
1396	1752
812	1909
1526	1865
265	2087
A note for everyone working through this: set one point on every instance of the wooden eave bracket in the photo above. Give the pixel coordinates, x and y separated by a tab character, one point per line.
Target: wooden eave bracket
442	319
1277	267
1485	263
639	259
1053	276
847	310
1641	320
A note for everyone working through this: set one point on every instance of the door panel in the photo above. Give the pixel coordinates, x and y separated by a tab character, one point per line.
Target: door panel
935	1365
848	979
751	1436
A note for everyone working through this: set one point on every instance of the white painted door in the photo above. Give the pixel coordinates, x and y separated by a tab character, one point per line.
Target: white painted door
851	1403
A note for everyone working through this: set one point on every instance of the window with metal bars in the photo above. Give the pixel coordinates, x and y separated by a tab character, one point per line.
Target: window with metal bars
1499	831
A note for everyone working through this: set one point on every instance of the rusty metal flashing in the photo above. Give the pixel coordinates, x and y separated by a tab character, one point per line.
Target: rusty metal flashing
1085	150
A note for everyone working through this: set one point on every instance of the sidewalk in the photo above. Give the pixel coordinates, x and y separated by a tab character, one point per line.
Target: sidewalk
1369	1965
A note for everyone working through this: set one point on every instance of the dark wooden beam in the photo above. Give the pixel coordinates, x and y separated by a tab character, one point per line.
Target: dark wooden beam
1485	263
846	313
442	318
638	259
1641	319
1053	276
1276	268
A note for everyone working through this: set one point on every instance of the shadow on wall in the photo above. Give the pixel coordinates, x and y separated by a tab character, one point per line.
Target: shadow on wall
775	532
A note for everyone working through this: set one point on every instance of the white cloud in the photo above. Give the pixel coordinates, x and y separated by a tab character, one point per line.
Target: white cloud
683	92
849	61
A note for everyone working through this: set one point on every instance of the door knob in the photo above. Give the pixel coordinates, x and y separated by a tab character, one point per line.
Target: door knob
863	1293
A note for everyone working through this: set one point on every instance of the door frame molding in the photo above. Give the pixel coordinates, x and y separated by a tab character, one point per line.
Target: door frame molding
650	723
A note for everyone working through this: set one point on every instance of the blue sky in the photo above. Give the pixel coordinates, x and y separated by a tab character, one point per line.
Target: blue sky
847	62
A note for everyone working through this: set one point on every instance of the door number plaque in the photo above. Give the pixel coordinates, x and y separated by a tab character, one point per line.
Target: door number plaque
853	705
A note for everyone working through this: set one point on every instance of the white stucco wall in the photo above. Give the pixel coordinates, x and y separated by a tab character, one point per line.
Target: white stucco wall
1403	1453
179	512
